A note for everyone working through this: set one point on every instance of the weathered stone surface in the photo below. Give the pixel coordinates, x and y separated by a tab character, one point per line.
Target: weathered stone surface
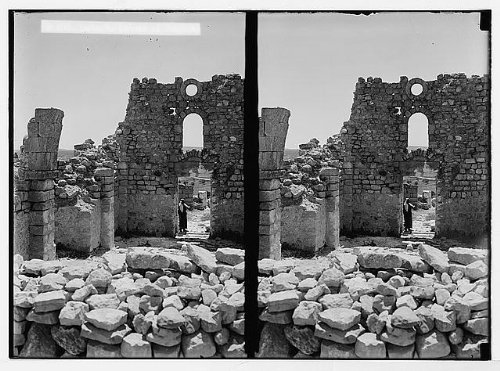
478	326
150	303
238	326
99	278
346	262
69	339
316	292
145	258
306	313
273	343
239	271
426	320
52	282
78	269
398	336
282	318
375	323
404	317
210	321
469	348
160	351
103	301
303	339
310	268
283	301
170	318
283	266
221	337
134	346
383	303
198	345
46	318
475	301
116	262
142	323
234	348
202	258
357	287
191	320
336	301
49	301
340	318
122	287
368	346
460	307
331	277
74	284
456	336
349	336
19	313
106	318
476	270
467	256
330	349
434	257
97	349
230	256
284	281
379	259
25	299
265	266
164	336
406	300
116	336
432	345
73	313
414	263
83	293
397	352
39	343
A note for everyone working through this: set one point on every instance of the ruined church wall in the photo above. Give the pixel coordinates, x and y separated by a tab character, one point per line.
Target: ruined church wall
376	139
151	156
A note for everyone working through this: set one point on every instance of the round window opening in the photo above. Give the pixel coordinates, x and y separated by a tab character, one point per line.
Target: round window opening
191	90
417	89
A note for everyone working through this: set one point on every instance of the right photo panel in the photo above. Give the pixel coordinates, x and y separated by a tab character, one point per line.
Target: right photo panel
374	163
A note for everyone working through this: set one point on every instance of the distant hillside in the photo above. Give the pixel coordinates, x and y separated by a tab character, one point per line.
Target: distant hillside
290	153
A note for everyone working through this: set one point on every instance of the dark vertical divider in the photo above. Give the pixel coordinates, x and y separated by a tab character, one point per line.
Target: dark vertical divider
251	175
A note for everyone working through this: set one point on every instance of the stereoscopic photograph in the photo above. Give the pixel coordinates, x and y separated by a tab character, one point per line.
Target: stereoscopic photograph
374	155
130	134
128	185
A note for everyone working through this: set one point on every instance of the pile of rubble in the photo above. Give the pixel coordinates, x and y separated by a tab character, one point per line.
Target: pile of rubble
141	302
372	302
301	177
76	175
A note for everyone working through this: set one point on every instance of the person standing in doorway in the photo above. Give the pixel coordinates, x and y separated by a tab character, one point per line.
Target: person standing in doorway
182	209
407	215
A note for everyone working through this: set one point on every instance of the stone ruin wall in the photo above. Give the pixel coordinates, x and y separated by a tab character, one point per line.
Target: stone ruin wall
151	157
50	195
375	157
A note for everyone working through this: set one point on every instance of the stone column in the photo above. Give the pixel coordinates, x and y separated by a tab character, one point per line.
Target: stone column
40	169
273	128
105	176
331	178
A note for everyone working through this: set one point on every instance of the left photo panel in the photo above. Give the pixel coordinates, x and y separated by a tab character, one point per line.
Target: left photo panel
127	189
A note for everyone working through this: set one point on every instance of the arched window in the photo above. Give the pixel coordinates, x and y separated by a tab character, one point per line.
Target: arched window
192	132
418	131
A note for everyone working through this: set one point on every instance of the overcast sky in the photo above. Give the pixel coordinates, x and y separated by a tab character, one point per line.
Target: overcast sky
310	63
89	76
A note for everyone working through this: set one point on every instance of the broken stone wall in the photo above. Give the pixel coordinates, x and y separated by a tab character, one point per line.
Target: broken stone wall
151	156
34	186
376	141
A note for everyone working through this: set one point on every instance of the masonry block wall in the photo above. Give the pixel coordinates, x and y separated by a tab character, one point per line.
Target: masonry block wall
375	156
273	128
151	156
34	186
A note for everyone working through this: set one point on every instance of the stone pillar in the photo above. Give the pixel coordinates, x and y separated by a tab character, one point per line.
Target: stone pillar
40	169
331	178
273	128
105	176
